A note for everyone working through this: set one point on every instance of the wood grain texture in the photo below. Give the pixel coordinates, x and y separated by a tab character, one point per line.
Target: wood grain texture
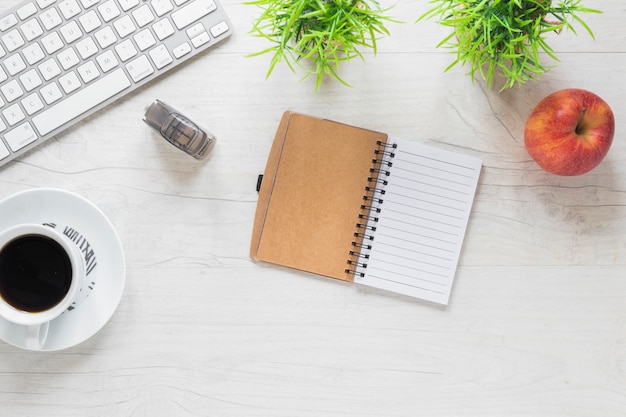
536	324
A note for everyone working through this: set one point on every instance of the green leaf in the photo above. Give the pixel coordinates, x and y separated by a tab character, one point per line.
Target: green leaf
318	35
504	37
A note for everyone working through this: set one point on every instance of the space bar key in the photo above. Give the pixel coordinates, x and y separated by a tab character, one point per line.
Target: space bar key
82	101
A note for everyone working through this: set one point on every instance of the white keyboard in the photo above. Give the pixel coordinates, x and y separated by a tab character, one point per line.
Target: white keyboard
62	60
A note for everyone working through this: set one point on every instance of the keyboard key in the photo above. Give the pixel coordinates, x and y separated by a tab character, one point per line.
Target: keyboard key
87	98
69	82
124	26
181	50
45	3
88	71
12	40
107	61
69	8
161	56
51	19
88	3
71	32
143	15
33	53
201	39
126	5
109	10
68	58
144	39
31	29
14	64
12	90
26	11
140	68
51	93
30	79
20	136
7	22
49	69
161	6
4	151
126	50
105	37
163	29
195	30
192	12
52	42
32	103
90	21
13	114
219	29
86	48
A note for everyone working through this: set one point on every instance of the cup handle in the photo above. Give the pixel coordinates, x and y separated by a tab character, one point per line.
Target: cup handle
36	335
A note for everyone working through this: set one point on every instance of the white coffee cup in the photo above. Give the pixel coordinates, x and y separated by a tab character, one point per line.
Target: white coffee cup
41	274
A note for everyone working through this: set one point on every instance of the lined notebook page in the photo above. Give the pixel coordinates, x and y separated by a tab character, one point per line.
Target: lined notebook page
422	222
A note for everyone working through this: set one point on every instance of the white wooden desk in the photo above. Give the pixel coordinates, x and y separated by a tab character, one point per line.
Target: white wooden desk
536	324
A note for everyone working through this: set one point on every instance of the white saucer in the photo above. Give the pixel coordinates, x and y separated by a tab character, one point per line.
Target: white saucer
91	231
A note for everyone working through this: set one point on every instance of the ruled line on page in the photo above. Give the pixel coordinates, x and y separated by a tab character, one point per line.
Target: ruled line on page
422	223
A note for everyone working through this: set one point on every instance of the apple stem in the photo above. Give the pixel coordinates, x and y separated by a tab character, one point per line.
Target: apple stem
579	125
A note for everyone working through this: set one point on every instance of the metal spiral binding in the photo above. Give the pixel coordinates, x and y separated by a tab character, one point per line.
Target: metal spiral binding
371	207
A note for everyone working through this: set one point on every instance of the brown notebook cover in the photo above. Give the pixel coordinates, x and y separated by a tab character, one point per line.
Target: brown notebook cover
311	194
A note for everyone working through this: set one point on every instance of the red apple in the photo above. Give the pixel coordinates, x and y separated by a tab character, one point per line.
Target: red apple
569	132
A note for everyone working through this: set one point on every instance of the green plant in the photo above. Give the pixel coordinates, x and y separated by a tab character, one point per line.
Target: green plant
505	37
320	33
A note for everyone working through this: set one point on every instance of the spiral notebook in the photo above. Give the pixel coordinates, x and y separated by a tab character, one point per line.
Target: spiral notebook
353	204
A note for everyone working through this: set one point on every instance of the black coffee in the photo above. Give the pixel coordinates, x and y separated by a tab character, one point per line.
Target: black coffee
35	273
